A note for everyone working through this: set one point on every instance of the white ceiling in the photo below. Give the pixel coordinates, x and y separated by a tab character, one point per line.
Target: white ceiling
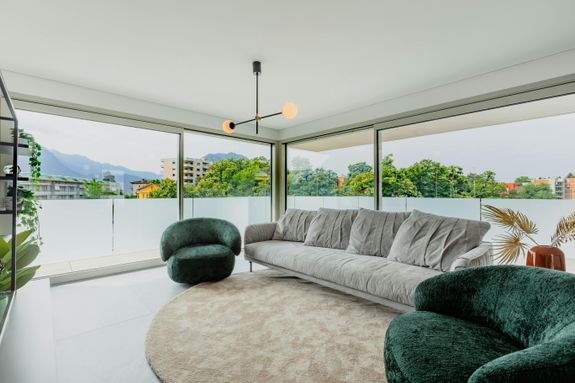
327	56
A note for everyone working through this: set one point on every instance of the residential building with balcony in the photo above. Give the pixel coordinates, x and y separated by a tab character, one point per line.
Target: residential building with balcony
50	187
194	169
559	188
56	187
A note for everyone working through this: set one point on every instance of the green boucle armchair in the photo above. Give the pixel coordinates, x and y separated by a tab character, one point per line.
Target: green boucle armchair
486	324
200	249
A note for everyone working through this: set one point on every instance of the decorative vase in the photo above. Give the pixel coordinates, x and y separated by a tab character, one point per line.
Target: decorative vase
549	257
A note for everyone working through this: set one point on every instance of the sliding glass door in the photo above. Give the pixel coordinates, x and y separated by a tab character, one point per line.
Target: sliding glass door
517	157
332	172
227	178
100	193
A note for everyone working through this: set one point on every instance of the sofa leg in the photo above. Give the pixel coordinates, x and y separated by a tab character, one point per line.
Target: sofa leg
250	266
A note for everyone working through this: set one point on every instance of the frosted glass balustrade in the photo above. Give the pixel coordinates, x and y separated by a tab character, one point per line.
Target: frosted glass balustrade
75	229
78	229
314	203
139	223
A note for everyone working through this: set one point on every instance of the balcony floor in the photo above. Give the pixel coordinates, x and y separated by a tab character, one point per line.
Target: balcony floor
100	324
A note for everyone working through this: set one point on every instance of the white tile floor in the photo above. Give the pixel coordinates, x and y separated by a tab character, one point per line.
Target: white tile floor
100	325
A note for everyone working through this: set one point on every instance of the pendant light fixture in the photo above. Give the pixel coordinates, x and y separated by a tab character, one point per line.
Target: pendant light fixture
289	109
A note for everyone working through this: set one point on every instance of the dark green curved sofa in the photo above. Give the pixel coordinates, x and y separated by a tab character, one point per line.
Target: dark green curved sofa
200	249
486	324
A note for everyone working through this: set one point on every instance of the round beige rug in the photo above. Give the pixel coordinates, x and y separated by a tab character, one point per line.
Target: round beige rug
265	327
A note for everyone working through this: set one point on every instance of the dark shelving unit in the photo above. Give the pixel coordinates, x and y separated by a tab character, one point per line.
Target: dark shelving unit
10	149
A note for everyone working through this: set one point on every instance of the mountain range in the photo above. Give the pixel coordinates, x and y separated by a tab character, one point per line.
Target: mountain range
213	157
55	163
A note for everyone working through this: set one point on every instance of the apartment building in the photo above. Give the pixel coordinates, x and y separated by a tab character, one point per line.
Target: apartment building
194	169
56	187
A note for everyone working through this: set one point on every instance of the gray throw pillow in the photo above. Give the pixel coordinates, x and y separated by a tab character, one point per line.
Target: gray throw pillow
434	241
373	231
331	228
293	225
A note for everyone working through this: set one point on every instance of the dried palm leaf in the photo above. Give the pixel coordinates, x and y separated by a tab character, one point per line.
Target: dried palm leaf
508	247
510	220
565	231
526	225
499	217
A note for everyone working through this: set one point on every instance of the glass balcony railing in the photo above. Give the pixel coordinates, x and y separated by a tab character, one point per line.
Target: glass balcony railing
74	230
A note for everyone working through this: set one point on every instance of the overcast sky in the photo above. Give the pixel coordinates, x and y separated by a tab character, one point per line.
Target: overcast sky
136	149
542	147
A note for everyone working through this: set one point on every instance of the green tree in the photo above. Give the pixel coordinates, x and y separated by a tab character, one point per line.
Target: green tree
362	184
316	182
522	180
433	179
235	177
359	180
93	189
484	185
358	168
168	188
533	191
394	182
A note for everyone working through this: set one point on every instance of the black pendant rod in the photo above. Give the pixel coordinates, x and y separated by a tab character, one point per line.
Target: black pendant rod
257	102
257	69
255	119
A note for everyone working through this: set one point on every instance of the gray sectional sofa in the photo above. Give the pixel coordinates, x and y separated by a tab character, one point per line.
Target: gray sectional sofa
380	256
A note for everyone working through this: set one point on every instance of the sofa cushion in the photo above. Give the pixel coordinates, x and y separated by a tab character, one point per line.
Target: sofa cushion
372	232
330	228
293	225
435	241
423	346
373	275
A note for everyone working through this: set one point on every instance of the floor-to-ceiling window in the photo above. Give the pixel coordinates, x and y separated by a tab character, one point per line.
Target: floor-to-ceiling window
226	178
333	172
516	157
99	193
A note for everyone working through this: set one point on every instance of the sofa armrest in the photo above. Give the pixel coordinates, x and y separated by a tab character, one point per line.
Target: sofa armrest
482	255
259	232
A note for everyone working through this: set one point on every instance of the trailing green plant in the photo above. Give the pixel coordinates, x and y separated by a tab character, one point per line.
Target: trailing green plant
27	205
27	250
35	153
27	208
511	245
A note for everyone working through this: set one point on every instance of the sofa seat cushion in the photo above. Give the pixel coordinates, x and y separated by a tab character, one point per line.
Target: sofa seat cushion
423	346
373	275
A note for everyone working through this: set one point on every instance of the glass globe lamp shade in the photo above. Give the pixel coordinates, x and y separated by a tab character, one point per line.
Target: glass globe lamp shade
289	110
229	126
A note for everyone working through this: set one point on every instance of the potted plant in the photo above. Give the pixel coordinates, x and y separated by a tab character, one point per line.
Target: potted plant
520	231
27	250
